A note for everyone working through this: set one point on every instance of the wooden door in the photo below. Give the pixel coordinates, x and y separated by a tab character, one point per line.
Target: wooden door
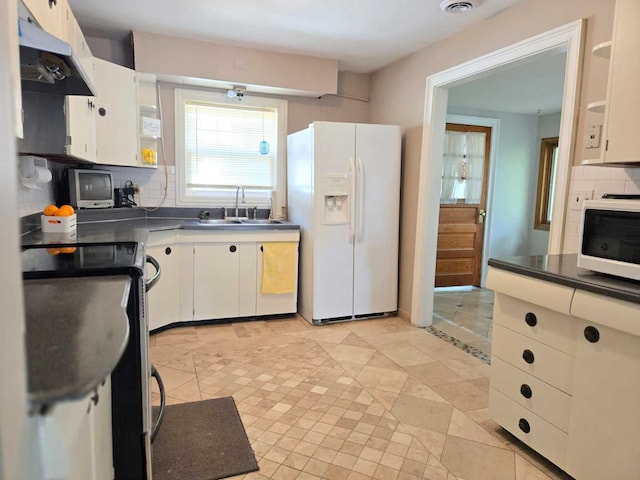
461	224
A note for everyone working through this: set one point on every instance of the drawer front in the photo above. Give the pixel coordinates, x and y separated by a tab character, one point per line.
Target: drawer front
541	398
536	432
541	324
537	359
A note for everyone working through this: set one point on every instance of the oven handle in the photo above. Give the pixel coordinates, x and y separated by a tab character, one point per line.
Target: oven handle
148	285
156	426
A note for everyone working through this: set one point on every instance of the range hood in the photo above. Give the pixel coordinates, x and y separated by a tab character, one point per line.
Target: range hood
49	65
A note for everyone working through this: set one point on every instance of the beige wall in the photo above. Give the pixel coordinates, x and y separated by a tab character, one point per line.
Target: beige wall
397	91
166	55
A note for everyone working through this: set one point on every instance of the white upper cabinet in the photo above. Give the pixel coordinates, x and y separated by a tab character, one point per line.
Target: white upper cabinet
81	127
116	114
50	15
622	122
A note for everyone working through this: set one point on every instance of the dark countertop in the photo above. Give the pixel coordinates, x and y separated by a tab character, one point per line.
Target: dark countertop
136	229
563	270
76	333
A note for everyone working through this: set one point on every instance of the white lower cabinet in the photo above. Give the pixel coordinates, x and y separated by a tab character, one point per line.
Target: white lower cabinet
605	415
75	438
567	383
210	276
216	281
272	304
164	298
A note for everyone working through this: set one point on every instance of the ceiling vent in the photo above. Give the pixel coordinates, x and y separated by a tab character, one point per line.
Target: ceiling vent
458	6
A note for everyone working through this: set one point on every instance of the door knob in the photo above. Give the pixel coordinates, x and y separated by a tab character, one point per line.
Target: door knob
481	214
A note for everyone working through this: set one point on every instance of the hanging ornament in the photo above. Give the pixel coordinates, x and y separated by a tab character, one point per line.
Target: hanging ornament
264	145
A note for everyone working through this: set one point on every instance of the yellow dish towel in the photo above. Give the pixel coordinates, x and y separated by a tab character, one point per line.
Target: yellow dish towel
279	270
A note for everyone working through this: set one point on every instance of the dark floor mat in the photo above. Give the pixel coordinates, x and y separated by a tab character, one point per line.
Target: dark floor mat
202	441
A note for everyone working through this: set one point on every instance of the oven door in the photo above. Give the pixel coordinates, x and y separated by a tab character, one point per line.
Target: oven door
155	424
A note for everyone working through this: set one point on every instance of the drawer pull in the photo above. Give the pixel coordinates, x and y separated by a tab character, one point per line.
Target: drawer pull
531	319
526	391
167	251
524	425
528	356
232	248
592	334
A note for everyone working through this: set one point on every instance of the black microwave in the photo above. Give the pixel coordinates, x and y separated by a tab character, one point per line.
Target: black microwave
88	188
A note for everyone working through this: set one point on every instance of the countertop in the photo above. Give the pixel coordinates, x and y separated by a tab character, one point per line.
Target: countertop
77	331
136	229
563	269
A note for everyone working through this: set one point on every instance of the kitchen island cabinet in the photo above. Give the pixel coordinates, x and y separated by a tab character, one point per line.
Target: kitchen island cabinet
565	373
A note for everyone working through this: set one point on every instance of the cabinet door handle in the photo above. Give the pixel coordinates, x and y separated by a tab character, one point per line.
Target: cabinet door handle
233	248
167	251
592	334
528	356
531	319
524	425
52	3
526	391
102	112
261	249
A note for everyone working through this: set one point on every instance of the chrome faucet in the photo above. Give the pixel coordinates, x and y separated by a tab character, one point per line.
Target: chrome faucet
270	208
237	191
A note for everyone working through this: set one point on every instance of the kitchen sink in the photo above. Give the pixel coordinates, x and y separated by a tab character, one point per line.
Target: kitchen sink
261	221
219	221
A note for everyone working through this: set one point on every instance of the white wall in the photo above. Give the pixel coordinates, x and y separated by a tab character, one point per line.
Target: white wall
511	210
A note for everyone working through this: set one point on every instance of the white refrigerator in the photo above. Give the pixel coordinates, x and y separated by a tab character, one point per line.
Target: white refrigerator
344	192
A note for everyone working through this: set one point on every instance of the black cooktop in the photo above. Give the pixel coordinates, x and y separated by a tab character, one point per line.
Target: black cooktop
82	260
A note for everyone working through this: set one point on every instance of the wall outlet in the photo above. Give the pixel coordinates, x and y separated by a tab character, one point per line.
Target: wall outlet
592	136
579	197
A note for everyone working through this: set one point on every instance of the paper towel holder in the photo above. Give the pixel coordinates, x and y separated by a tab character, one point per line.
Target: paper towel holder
28	167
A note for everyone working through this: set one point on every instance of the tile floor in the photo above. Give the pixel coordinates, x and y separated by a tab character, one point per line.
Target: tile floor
465	313
373	399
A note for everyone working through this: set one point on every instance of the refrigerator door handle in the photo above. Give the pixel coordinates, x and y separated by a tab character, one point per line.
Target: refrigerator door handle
360	175
352	174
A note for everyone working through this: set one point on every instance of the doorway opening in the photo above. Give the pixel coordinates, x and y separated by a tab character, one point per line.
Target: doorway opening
563	39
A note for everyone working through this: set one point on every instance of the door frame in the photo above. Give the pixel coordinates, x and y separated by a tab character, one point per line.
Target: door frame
569	38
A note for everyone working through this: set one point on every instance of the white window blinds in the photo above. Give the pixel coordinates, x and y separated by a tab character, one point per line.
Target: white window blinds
222	146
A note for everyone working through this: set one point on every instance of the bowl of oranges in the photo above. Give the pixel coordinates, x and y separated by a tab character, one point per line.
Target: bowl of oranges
58	219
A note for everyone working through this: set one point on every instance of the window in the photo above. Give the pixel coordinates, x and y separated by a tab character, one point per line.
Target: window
546	182
218	148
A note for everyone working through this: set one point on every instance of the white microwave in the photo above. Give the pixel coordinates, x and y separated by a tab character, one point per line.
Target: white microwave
610	237
90	188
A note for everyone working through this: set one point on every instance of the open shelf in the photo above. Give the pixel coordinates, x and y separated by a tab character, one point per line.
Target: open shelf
602	49
597	107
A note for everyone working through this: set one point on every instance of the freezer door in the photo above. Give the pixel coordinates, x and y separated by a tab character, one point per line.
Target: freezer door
334	149
376	219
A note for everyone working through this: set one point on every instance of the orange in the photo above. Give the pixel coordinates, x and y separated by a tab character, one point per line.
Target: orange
50	210
53	251
67	249
65	211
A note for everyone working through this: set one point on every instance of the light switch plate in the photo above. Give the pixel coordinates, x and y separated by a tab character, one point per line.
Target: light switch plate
592	136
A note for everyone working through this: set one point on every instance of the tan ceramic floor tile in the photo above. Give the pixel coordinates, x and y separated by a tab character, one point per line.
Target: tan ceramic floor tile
357	400
464	395
475	461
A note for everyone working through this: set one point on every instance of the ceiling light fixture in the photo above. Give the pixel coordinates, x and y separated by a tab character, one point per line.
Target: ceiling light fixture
458	6
236	92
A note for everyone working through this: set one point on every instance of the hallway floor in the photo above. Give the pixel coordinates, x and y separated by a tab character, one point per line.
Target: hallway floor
466	314
371	399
